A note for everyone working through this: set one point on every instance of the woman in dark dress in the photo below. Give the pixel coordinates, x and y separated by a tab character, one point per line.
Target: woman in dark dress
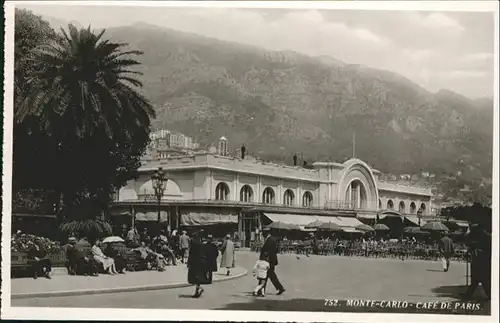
213	253
199	272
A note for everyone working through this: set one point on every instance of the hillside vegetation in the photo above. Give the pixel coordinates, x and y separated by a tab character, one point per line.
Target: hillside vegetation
281	103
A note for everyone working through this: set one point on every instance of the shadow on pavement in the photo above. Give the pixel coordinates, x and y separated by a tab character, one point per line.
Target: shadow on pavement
449	291
455	290
186	296
318	305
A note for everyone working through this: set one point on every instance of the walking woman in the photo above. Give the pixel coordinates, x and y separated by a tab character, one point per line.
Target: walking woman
198	263
227	250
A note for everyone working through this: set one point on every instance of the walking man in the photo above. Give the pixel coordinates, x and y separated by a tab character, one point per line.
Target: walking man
447	250
184	242
270	248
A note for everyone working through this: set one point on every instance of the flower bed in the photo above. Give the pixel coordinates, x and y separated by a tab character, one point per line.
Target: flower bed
22	242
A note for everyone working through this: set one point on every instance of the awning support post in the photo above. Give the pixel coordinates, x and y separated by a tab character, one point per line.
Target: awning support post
133	216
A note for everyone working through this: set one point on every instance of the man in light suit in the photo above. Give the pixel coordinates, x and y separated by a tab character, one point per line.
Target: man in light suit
270	247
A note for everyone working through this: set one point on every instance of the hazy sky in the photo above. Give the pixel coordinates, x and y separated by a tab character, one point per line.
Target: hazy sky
452	50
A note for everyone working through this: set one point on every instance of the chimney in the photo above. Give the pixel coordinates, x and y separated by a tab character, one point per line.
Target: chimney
295	160
243	149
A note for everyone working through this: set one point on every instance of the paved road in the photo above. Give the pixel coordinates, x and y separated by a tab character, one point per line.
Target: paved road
308	281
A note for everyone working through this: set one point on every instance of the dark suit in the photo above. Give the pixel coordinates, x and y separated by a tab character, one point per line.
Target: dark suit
271	248
78	263
447	251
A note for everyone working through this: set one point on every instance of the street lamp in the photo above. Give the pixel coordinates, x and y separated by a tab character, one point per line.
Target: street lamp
159	183
419	215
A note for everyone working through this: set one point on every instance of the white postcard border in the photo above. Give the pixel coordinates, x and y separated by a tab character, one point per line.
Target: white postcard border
9	312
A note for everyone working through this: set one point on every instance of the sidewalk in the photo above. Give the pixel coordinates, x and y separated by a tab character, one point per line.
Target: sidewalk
66	285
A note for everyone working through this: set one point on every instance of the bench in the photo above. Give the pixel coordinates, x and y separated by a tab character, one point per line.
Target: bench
19	262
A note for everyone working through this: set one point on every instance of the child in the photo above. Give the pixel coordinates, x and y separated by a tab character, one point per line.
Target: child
260	271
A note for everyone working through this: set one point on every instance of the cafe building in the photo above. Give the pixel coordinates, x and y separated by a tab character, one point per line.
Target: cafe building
239	195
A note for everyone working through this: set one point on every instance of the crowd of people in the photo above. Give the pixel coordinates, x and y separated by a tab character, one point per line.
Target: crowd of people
403	248
200	251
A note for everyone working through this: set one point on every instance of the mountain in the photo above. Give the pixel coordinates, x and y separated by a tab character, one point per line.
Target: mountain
281	103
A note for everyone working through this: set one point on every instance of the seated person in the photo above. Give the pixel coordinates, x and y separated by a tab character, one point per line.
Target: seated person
78	263
147	253
112	252
37	257
161	244
107	262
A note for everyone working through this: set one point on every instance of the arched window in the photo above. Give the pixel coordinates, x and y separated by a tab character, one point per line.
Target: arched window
288	197
422	207
268	196
307	199
380	204
402	207
413	208
356	195
246	194
222	192
390	205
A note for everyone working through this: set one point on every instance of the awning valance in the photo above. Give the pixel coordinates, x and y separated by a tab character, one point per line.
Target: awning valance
348	222
370	216
151	216
302	220
414	219
462	224
351	230
297	219
203	218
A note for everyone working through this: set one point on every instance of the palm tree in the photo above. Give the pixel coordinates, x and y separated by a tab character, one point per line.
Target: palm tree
82	90
87	82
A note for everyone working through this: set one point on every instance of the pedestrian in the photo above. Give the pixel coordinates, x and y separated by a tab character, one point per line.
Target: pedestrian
198	263
184	242
260	272
270	248
213	252
447	250
227	251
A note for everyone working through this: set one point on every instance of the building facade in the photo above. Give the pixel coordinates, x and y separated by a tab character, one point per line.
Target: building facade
210	188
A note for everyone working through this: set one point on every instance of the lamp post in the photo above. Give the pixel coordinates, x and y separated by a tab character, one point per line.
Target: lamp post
419	215
159	183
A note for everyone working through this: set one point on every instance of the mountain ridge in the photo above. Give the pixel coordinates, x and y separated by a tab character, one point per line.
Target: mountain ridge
279	103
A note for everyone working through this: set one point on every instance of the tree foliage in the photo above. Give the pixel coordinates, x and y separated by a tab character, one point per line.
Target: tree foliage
82	123
475	213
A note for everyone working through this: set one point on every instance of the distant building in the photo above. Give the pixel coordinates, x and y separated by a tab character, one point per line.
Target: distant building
223	149
162	138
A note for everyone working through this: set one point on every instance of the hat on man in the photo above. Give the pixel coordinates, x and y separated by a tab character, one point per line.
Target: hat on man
72	240
266	229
